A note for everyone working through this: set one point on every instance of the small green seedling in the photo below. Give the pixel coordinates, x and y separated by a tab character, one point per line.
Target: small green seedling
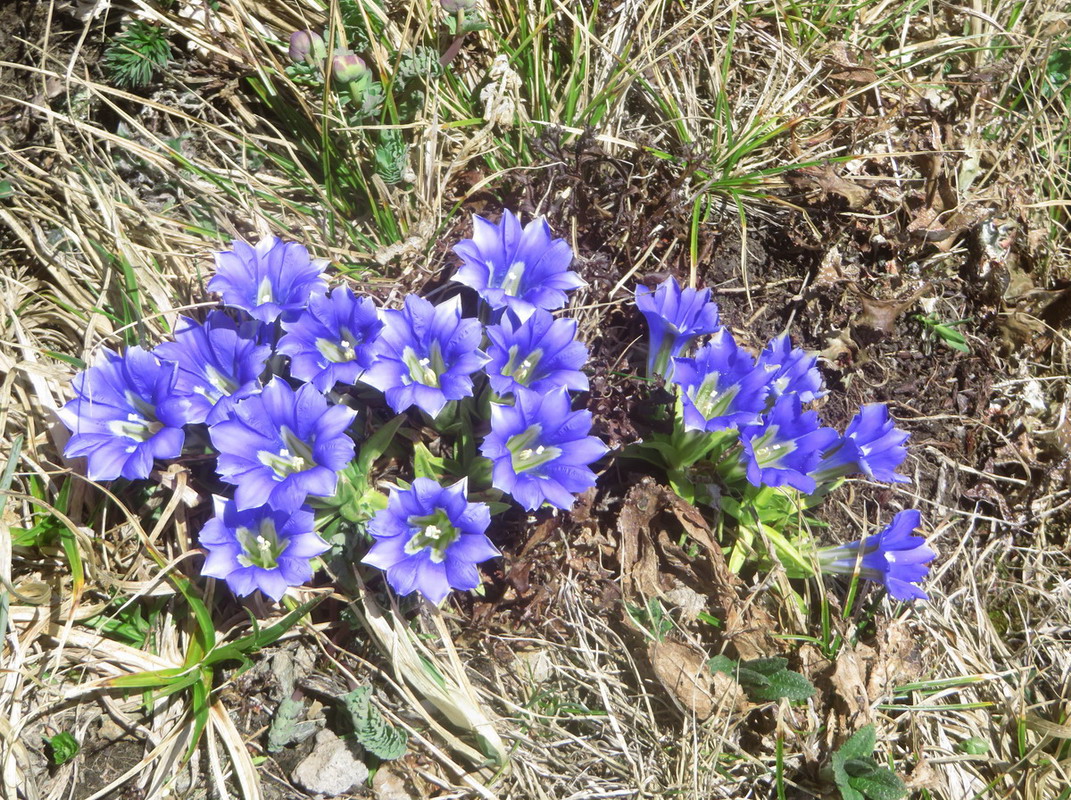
945	331
62	748
136	55
858	775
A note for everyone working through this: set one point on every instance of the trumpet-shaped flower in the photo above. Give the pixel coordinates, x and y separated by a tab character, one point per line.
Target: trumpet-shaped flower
281	446
676	318
333	339
430	538
785	446
872	445
219	363
538	354
721	387
893	558
426	355
792	371
522	268
260	548
540	449
126	412
272	280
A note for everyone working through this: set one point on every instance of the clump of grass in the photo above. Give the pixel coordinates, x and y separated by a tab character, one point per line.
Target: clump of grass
136	55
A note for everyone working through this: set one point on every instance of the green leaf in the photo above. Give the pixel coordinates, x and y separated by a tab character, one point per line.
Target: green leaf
879	783
425	465
858	776
376	444
859	745
375	734
768	679
62	748
722	663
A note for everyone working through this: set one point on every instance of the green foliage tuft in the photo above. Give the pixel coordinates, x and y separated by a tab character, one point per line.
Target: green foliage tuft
62	748
858	775
136	55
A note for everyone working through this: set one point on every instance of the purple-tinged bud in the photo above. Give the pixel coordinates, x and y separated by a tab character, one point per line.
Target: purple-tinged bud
307	46
454	6
348	68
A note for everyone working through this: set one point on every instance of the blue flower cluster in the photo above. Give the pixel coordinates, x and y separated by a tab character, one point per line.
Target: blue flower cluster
723	388
280	432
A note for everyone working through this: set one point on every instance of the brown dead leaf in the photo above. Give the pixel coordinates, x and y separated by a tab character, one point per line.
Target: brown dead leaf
881	315
848	68
637	556
683	670
1018	329
826	181
898	660
849	680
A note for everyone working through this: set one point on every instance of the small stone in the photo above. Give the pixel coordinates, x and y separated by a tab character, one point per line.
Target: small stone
331	768
388	785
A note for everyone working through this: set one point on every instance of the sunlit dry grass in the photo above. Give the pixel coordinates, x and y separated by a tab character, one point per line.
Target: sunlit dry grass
120	199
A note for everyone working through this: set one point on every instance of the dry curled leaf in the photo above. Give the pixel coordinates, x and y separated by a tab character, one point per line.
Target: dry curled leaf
682	669
826	181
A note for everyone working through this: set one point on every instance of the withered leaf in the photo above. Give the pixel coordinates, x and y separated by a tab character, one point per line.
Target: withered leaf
826	181
881	315
682	669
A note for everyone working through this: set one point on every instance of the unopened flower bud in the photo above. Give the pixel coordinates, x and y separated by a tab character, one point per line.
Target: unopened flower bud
307	46
349	68
454	6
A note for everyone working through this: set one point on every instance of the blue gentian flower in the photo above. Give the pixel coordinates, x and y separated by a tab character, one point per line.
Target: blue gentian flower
785	446
430	538
126	412
792	371
523	269
332	341
676	318
721	387
541	450
426	355
281	446
538	354
272	280
260	548
893	558
872	445
219	363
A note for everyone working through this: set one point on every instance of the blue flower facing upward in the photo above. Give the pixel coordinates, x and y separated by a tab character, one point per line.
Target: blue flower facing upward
127	411
519	268
872	445
540	449
260	548
430	538
894	558
219	363
792	371
269	281
785	446
721	387
281	446
538	354
333	340
676	318
426	355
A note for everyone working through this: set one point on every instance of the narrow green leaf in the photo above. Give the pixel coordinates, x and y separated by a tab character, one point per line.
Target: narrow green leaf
376	445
